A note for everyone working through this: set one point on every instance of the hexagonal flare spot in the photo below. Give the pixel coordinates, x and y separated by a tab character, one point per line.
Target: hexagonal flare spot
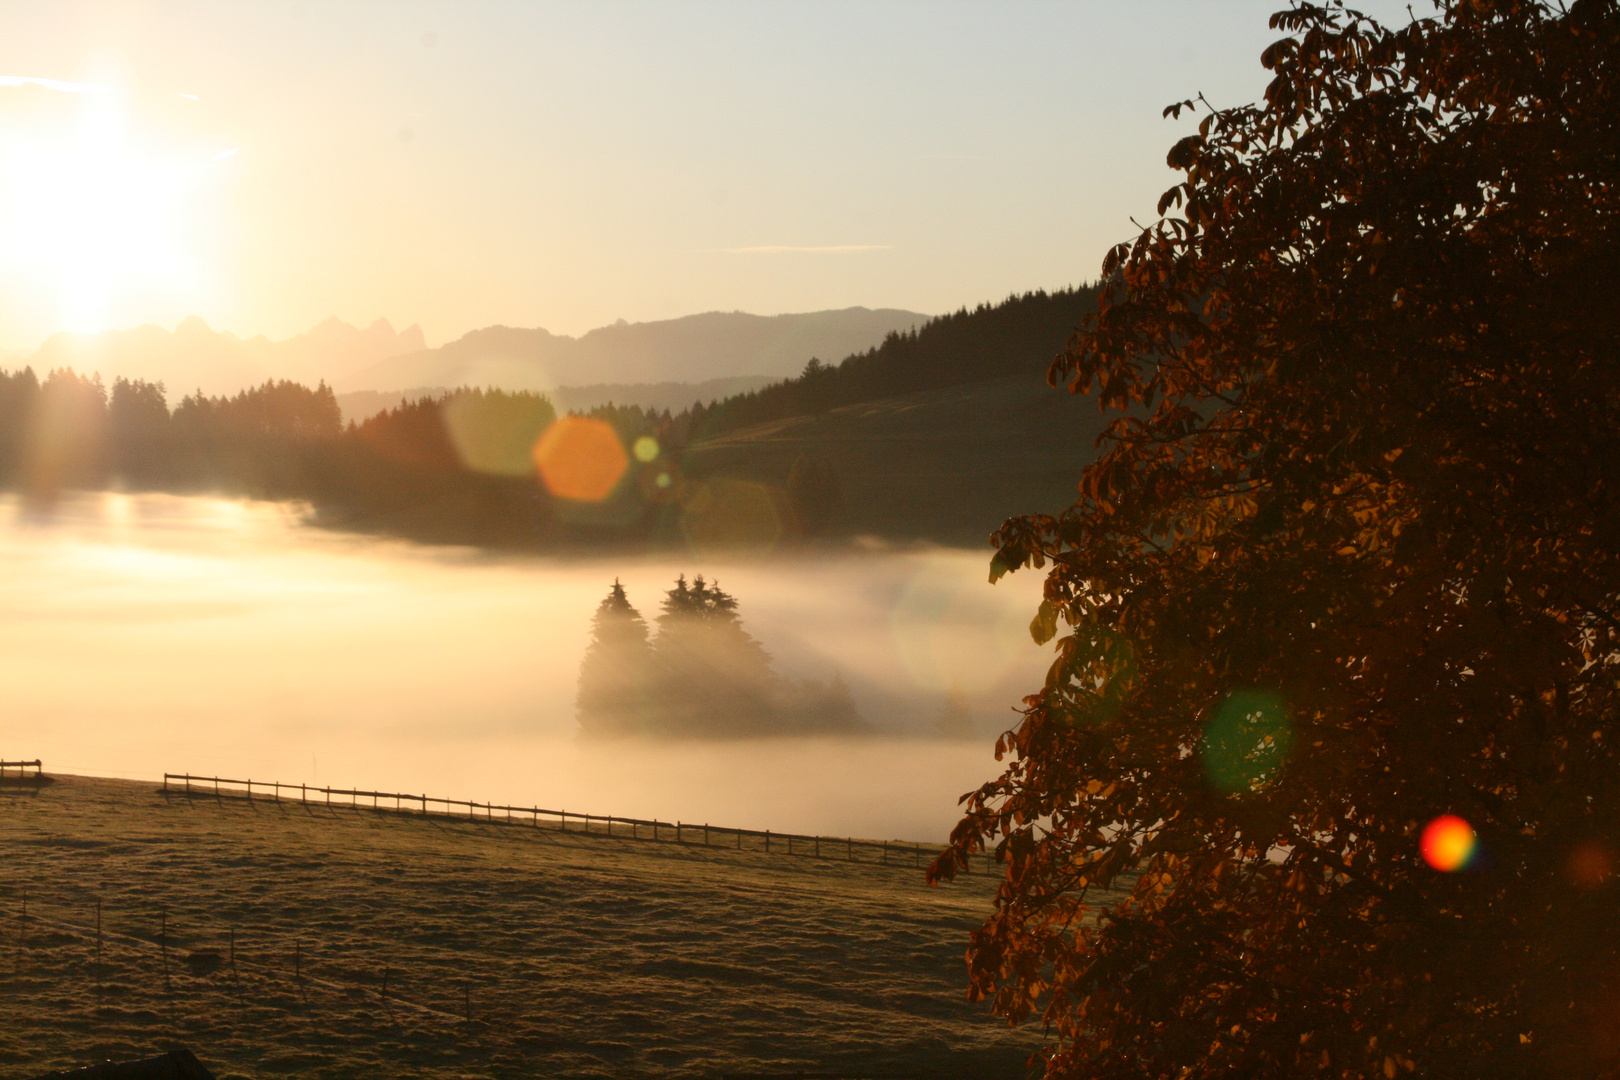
580	458
725	514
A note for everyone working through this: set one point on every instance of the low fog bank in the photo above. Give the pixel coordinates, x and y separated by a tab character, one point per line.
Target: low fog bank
144	633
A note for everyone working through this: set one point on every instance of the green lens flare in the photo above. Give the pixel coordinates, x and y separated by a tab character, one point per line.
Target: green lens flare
1247	741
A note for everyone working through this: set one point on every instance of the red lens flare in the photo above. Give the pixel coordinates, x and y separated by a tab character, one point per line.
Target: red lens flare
1448	843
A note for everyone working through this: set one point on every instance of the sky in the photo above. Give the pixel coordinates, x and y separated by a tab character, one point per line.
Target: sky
457	165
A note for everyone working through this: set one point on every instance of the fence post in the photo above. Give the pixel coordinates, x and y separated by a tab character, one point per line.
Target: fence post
849	848
705	834
677	830
767	840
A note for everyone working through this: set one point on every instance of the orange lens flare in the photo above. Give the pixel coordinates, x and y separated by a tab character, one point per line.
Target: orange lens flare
1448	843
580	458
1590	865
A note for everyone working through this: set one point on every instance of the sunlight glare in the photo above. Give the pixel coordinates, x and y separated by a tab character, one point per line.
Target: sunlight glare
95	217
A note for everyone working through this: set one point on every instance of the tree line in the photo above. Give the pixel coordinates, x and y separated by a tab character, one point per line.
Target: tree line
457	467
702	675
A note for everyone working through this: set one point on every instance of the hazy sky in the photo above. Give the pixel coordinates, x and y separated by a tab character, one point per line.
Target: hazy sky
267	165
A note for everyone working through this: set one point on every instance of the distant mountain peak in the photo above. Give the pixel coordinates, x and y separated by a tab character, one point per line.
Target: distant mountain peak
692	348
195	356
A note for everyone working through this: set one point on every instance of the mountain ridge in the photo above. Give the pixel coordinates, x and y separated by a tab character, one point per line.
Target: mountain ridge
693	348
195	357
700	348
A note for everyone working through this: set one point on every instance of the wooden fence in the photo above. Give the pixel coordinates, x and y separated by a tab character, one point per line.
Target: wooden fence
22	768
901	853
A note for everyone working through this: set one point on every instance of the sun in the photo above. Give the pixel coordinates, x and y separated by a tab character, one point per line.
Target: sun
92	216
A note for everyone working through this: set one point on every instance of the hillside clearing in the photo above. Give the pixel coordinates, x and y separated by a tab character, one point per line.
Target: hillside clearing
947	465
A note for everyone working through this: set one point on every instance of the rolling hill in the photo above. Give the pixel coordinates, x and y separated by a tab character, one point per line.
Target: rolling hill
945	465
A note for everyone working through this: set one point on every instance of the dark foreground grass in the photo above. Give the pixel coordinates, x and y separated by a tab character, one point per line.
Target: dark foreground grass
363	939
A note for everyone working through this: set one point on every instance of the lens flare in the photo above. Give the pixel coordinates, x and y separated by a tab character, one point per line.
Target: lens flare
1247	741
1448	843
580	458
495	433
1590	865
738	515
645	449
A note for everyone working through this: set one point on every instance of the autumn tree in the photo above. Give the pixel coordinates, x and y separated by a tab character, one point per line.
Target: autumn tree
616	674
1347	563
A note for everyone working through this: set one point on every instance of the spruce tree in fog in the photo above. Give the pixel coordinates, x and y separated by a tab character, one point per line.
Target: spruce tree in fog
614	676
712	677
703	676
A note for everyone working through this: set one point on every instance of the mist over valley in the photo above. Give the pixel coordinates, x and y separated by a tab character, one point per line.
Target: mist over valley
151	633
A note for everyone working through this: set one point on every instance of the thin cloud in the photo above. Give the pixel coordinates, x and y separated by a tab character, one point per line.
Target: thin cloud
54	84
788	249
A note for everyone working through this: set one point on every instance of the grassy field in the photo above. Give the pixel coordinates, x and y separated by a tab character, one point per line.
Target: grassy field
577	956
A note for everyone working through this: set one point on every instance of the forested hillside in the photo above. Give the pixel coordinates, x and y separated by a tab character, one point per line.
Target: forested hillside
936	434
1018	336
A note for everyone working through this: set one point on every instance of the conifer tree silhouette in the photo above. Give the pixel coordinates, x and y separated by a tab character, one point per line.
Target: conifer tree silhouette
713	678
614	684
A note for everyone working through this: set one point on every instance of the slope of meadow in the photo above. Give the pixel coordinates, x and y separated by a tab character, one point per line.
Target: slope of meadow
947	465
577	956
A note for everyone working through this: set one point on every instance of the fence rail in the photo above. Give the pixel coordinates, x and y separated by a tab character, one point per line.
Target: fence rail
885	852
22	768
